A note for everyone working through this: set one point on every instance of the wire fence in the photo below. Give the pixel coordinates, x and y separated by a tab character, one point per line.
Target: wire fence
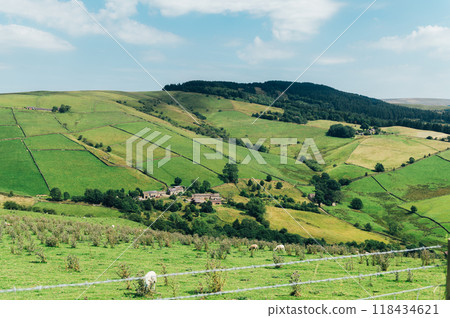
327	280
402	292
88	284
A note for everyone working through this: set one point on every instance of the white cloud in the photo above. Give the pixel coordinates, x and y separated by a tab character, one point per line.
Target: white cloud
433	39
260	51
68	17
19	36
335	60
292	19
64	16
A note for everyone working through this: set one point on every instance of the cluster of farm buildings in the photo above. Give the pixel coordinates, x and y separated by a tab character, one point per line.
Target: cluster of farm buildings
197	198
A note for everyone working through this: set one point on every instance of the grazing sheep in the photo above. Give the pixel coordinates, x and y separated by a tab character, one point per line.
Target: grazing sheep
253	247
7	224
113	226
279	248
150	280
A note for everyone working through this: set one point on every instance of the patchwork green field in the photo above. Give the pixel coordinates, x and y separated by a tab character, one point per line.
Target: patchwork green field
38	123
6	117
62	168
18	172
435	208
9	132
56	141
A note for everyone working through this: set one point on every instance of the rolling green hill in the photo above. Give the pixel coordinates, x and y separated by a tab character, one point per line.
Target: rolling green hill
70	151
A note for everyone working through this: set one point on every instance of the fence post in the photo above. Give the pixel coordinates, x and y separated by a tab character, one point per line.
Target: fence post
447	288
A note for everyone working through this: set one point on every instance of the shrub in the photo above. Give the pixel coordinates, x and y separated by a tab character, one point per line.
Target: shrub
277	259
356	204
215	280
124	272
41	256
296	288
379	167
73	263
279	185
52	241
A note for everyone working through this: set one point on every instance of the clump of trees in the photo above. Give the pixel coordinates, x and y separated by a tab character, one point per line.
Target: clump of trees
230	173
379	167
327	190
61	109
356	204
341	131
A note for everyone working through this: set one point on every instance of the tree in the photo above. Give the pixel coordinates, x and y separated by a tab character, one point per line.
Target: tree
279	185
379	167
341	131
56	194
207	207
261	182
249	183
108	149
413	209
411	160
54	109
356	204
177	181
66	196
230	173
256	208
368	227
11	194
269	178
364	126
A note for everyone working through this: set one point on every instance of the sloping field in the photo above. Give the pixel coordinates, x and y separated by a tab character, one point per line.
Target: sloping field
436	208
6	117
56	141
391	151
421	180
75	171
79	210
77	122
7	132
18	173
411	132
318	225
38	123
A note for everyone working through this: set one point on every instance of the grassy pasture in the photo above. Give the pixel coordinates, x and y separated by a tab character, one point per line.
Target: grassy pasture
78	122
23	271
107	135
56	141
79	210
421	180
6	117
18	173
411	132
435	208
323	226
62	168
7	132
38	123
347	172
391	151
445	155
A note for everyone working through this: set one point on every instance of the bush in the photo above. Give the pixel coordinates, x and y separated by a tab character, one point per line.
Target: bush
52	241
73	263
341	131
295	279
356	204
279	185
379	167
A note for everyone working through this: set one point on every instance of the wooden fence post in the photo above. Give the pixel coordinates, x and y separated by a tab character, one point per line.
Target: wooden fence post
447	288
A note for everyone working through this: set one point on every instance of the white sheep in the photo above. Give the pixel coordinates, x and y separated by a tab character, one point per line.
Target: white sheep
113	226
253	247
279	248
150	280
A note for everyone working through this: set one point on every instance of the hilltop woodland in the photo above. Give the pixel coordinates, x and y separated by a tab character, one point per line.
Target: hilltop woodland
306	101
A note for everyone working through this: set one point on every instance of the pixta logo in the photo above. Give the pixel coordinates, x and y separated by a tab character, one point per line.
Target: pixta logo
141	148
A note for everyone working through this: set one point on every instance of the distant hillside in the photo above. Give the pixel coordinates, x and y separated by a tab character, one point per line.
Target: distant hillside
421	103
308	101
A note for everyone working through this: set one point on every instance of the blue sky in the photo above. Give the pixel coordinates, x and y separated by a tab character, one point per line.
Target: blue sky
396	49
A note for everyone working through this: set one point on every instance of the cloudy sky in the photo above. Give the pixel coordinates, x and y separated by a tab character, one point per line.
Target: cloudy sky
397	48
